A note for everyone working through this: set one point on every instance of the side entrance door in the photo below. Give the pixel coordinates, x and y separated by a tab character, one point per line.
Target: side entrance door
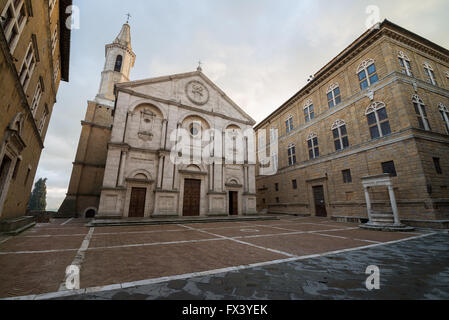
233	203
320	203
192	189
137	203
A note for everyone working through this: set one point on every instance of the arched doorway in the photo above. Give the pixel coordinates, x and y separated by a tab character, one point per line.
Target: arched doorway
90	213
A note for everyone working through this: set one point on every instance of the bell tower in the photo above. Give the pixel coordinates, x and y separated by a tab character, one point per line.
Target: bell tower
86	181
120	59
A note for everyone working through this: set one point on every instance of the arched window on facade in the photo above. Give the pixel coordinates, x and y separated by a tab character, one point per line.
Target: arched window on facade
312	144
118	63
309	111
379	125
340	134
291	155
430	74
333	95
367	74
404	61
420	110
445	115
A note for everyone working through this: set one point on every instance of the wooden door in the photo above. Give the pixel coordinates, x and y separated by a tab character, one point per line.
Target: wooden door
192	190
233	203
320	203
137	203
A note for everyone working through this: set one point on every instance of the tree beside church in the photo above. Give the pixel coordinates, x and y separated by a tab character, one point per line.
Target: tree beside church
38	199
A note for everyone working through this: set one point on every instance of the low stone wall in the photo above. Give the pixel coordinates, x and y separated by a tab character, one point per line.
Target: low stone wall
41	216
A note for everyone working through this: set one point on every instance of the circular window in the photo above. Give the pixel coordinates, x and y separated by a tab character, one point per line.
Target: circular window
194	131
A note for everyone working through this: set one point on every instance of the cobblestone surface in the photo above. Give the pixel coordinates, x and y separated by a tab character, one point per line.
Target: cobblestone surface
414	269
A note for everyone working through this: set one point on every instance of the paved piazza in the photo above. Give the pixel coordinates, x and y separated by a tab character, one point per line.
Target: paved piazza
290	258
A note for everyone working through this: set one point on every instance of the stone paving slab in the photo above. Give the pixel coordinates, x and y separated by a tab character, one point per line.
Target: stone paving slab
123	229
143	252
248	230
306	227
41	244
146	238
110	266
413	270
305	244
370	235
25	274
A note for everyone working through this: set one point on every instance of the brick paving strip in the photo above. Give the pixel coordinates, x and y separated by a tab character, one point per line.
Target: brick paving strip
79	258
291	258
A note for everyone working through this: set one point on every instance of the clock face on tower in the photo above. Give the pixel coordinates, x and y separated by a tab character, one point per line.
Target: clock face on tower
197	92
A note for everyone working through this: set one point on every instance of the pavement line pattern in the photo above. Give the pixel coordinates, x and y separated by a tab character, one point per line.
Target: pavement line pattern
154	244
241	242
68	221
79	258
4	240
217	237
60	294
346	238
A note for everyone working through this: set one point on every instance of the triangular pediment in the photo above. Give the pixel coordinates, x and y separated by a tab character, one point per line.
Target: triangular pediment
192	89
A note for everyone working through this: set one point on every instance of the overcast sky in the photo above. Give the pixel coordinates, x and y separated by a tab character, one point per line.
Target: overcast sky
260	52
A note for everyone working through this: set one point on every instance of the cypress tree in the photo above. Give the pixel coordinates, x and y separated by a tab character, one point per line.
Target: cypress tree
38	199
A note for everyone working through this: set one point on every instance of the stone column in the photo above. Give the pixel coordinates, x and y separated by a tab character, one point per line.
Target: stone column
159	173
164	134
121	182
394	205
368	202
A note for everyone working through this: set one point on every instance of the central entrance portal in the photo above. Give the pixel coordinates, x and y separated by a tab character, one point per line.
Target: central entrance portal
320	204
233	203
192	189
137	203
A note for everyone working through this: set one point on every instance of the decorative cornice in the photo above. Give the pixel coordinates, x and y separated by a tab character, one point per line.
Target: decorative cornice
180	105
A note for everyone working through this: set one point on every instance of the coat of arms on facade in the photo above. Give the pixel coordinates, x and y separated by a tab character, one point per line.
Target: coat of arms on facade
197	92
147	119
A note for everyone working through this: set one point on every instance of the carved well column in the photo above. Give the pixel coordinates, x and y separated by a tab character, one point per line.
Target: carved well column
394	205
368	202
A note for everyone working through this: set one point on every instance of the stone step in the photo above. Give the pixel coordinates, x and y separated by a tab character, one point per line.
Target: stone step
160	221
16	225
387	221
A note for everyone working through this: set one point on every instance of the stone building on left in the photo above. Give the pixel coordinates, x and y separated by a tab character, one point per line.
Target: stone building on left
34	58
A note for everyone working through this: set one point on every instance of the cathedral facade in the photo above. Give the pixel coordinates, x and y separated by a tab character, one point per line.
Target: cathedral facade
157	147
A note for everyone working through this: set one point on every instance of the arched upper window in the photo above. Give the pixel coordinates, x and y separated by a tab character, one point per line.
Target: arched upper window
333	95
291	155
340	134
289	124
312	144
429	73
445	114
118	63
404	61
378	123
309	112
367	73
420	110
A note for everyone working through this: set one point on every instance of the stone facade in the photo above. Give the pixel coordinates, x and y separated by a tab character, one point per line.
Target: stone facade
31	68
420	152
125	145
148	117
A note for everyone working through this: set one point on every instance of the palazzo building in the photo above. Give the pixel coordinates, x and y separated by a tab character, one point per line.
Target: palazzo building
34	58
380	106
125	166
